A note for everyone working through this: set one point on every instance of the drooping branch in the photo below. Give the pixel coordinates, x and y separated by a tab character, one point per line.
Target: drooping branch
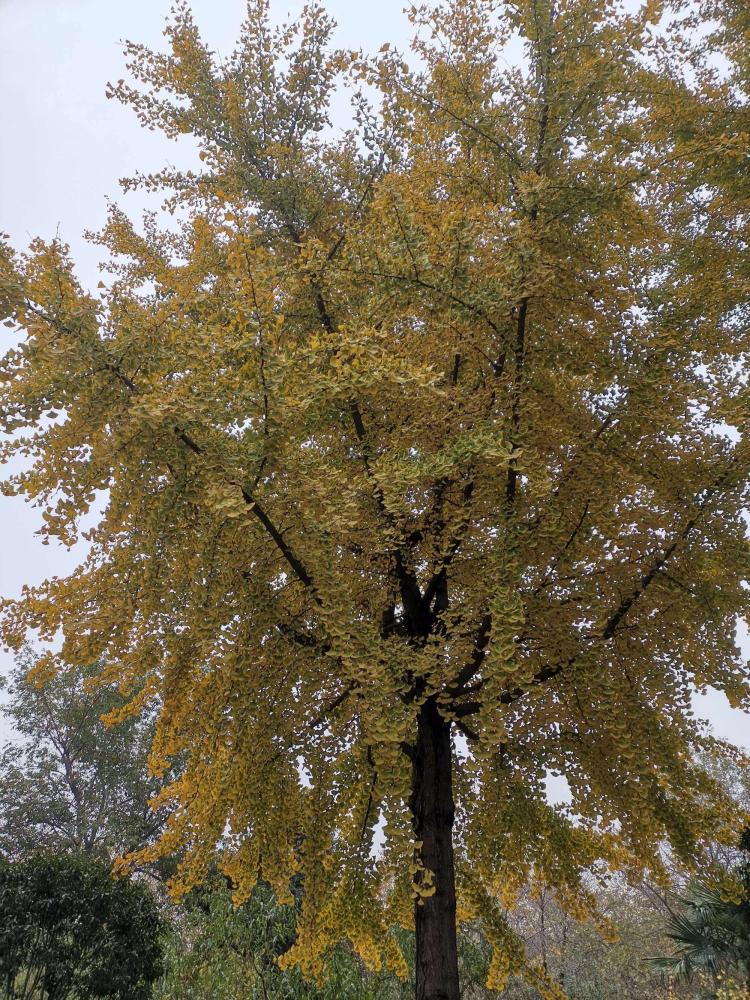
550	671
449	295
645	582
286	550
436	105
260	514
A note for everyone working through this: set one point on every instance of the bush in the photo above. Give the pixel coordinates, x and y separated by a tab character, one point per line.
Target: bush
68	929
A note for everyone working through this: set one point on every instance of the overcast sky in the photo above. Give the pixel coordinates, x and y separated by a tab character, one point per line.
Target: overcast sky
65	146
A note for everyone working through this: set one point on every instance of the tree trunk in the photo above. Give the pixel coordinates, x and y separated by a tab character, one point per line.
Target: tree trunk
433	811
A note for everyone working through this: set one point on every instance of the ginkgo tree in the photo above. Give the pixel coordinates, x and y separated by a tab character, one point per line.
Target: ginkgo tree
424	454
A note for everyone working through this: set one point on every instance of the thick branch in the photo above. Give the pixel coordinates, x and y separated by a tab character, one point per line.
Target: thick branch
410	592
542	676
337	702
470	670
515	418
439	575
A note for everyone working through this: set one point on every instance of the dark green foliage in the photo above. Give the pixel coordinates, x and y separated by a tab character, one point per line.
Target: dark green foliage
68	929
226	953
711	933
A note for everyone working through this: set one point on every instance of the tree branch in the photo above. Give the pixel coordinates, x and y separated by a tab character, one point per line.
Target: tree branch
470	670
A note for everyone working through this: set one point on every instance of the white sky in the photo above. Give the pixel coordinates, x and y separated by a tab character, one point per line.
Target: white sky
64	147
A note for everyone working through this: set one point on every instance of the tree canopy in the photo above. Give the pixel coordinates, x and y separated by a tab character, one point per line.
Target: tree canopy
68	782
424	451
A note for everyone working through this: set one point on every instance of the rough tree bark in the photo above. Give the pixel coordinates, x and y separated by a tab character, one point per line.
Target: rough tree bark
433	812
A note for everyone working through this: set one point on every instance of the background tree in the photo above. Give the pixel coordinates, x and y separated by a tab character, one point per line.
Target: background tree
709	934
711	930
67	781
419	480
69	930
576	956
